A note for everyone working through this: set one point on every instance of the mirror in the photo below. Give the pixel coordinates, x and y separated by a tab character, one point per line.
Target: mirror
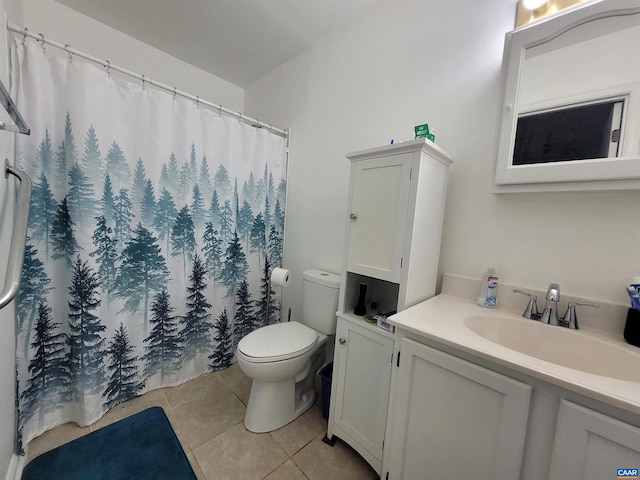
571	107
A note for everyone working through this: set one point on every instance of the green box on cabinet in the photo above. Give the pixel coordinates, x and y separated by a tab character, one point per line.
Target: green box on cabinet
422	131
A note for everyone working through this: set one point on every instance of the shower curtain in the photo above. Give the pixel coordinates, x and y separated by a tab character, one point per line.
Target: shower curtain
154	226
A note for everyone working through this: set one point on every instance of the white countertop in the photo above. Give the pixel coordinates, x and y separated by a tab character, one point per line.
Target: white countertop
441	319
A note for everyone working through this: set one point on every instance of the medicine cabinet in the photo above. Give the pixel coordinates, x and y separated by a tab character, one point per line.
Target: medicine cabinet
570	116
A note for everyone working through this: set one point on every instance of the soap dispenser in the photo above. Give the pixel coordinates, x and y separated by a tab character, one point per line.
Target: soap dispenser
489	290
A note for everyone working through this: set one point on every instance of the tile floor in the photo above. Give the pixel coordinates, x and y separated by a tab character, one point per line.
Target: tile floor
206	414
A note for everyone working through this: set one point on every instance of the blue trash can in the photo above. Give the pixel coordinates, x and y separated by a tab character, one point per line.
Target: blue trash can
326	373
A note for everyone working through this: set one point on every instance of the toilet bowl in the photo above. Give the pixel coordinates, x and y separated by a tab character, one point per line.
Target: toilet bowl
282	359
278	365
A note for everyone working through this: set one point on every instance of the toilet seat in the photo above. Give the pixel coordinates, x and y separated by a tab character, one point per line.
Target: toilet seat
280	341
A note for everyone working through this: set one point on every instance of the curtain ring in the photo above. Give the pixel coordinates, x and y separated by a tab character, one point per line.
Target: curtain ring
174	93
66	47
44	50
24	35
220	109
108	67
198	103
143	81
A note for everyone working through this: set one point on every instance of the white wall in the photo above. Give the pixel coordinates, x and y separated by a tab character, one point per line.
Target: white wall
7	321
8	461
404	63
67	26
7	314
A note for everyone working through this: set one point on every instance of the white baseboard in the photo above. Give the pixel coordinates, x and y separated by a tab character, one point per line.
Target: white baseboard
15	467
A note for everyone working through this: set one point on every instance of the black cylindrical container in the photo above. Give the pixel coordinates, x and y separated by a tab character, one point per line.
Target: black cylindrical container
632	327
361	309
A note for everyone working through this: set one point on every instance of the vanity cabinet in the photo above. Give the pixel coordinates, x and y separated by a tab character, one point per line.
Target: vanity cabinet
360	387
591	446
455	419
455	415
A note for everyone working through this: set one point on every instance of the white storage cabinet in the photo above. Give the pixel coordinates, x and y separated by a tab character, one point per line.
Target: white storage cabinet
394	225
395	214
360	389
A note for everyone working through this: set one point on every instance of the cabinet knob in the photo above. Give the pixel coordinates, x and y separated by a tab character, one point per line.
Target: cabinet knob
353	216
342	341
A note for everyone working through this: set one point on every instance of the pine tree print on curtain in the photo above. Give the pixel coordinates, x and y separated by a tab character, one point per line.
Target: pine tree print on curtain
48	386
163	347
86	341
123	382
195	334
153	230
34	287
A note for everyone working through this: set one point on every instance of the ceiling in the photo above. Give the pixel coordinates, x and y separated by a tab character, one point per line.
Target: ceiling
237	40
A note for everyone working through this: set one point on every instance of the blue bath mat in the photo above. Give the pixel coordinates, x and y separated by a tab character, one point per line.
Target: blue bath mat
141	447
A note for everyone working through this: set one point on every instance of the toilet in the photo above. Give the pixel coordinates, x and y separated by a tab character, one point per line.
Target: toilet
282	359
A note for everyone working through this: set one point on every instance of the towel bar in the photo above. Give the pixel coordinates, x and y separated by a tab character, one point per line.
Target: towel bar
18	236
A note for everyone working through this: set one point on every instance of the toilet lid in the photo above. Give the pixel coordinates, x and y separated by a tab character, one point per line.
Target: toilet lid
279	341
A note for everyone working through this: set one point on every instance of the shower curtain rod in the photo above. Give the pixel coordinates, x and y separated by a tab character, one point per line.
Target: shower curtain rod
107	64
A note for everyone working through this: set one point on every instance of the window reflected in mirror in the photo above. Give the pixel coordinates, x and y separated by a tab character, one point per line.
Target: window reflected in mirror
569	133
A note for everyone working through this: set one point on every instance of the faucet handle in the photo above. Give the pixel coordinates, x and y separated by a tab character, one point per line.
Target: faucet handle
570	320
531	311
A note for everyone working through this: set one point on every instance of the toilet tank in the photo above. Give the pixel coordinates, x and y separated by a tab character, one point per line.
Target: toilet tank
320	300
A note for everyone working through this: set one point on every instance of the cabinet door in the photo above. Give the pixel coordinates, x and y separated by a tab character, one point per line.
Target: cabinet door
455	419
362	383
378	216
592	446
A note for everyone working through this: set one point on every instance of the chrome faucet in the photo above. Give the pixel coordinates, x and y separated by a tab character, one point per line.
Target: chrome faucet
550	312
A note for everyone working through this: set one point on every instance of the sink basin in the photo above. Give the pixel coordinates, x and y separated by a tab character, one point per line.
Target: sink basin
558	345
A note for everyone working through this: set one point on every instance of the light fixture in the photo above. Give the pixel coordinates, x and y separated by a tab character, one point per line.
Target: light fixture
535	4
533	10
